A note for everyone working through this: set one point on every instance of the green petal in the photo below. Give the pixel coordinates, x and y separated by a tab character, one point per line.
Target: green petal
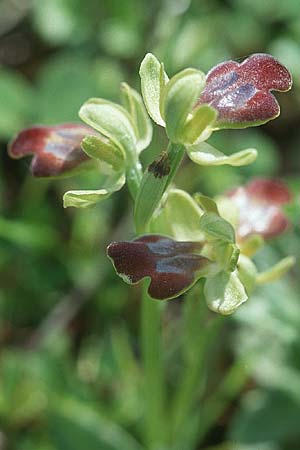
206	155
133	103
179	98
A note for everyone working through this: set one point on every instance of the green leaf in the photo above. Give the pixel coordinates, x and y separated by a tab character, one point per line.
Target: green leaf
206	155
76	426
155	181
153	79
133	103
224	292
105	151
111	120
178	217
215	227
206	203
276	272
199	125
179	98
89	197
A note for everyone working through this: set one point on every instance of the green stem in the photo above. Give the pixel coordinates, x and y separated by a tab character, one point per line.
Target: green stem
154	386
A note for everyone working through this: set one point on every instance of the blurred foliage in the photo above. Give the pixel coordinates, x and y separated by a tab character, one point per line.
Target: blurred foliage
70	373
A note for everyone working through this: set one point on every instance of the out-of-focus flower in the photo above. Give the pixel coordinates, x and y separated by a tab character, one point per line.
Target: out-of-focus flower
240	92
172	266
259	206
56	149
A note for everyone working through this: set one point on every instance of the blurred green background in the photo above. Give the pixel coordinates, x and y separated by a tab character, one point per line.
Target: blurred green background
70	377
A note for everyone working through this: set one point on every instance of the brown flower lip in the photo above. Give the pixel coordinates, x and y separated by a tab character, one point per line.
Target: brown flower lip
56	149
259	204
240	92
172	266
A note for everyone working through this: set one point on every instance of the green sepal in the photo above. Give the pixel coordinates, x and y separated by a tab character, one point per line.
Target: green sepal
199	126
178	217
247	273
224	292
133	103
215	227
206	155
276	272
179	97
206	203
153	80
89	197
155	181
102	149
113	122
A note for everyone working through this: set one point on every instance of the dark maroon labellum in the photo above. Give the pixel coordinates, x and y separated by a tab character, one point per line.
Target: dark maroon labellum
240	92
259	205
56	150
172	266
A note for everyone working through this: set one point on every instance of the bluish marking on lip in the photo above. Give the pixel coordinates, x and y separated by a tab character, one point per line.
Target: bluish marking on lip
223	82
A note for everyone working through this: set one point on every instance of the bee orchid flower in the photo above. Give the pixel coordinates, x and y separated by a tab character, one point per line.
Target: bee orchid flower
241	92
56	149
259	206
